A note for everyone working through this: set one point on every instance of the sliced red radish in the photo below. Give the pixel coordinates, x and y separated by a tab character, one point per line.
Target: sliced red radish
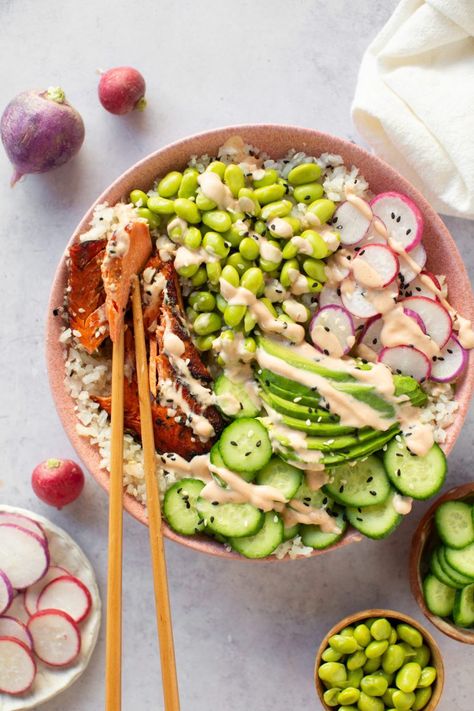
56	637
330	296
68	594
351	224
17	608
450	363
375	266
17	667
375	234
6	592
11	627
363	302
371	335
406	360
22	521
415	317
332	331
34	591
435	317
24	556
401	217
418	287
407	271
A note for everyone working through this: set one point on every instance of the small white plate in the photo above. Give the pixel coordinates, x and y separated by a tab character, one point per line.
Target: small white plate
49	682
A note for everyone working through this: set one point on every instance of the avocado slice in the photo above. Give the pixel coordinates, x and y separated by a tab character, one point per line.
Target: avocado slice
288	355
322	429
287	406
291	387
406	385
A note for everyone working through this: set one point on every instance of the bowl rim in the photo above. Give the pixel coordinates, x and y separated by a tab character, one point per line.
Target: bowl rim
64	403
349	620
420	541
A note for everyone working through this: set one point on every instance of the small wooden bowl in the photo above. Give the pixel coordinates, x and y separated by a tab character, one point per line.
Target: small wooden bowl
423	542
359	617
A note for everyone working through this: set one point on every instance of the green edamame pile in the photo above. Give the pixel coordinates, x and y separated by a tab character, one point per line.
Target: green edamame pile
248	243
377	665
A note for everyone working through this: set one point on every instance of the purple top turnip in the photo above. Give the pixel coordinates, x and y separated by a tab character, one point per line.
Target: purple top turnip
40	130
122	90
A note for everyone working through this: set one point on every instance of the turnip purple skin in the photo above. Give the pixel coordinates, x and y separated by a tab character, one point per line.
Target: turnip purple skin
40	130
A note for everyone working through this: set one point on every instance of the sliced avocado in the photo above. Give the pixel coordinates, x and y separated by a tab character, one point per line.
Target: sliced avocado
287	406
288	354
369	396
319	429
307	401
294	389
406	385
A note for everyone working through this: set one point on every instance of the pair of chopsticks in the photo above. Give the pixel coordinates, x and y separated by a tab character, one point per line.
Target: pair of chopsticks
114	589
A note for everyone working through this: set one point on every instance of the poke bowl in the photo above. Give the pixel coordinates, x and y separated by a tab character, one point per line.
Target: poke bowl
289	397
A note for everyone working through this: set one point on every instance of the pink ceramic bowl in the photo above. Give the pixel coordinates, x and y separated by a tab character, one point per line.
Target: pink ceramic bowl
276	140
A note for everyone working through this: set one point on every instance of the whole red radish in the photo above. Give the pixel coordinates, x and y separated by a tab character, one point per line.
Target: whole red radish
57	482
122	90
40	130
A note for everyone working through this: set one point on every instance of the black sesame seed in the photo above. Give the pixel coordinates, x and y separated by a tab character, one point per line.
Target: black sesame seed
259	443
247	454
358	518
215	503
398	218
397	454
373	493
325	500
326	328
180	490
326	352
211	519
369	479
449	350
338	291
55	312
374	341
234	444
399	473
341	489
392	215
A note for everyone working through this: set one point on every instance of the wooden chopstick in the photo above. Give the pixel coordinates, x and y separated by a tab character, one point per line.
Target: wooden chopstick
113	672
160	578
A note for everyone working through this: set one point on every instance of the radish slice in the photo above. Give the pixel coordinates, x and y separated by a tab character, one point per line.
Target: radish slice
371	335
450	363
401	217
6	592
373	236
17	667
24	556
17	608
351	224
332	331
415	317
418	288
406	360
329	296
406	272
11	627
435	317
34	591
56	637
361	302
68	594
375	266
23	522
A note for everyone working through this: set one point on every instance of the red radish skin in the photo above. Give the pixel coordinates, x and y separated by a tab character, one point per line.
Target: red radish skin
57	482
17	667
437	320
6	592
407	271
417	318
23	522
401	217
56	637
381	263
121	90
450	363
40	130
11	627
17	608
24	556
418	288
68	594
371	334
34	591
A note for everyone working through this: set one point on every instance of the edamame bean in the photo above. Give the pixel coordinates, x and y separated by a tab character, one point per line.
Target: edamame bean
304	173
234	314
342	644
227	335
281	208
408	677
387	698
286	275
169	185
189	183
235	235
409	651
369	703
192	238
176	229
236	260
393	636
388	677
427	677
270	176
422	696
332	672
153	220
214	244
260	227
373	685
221	303
264	300
189	271
354	677
214	271
362	634
269	193
217	220
381	628
393	659
207	323
250	345
249	325
410	635
204	343
290	250
252	280
403	701
139	198
160	205
204	203
323	209
248	202
329	654
200	277
330	697
236	215
316	269
249	249
266	265
372	665
356	660
422	656
191	314
218	167
350	695
230	274
347	708
308	193
202	301
187	210
376	648
319	246
234	178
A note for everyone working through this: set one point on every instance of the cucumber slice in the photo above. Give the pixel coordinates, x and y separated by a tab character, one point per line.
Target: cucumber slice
455	524
216	459
459	579
179	506
362	484
375	521
290	531
418	477
439	572
462	560
245	446
230	519
317	499
313	537
439	598
463	611
282	476
229	394
264	542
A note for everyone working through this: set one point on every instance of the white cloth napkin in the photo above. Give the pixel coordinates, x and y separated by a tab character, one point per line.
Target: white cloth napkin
414	101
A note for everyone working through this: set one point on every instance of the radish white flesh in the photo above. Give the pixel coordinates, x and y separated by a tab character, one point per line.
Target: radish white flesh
370	336
17	667
11	627
34	591
329	296
415	317
357	300
68	594
17	608
435	317
401	217
56	637
23	522
450	363
332	331
373	235
351	224
375	266
406	271
406	360
24	556
6	592
418	288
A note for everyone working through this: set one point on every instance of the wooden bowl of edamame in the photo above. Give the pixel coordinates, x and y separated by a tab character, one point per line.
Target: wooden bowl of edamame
425	562
378	660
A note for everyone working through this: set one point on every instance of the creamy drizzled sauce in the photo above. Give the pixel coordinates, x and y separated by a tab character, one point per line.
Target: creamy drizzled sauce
280	227
299	283
171	396
118	244
402	504
214	189
298	512
172	344
186	257
266	498
275	291
303	245
269	251
400	329
295	310
365	274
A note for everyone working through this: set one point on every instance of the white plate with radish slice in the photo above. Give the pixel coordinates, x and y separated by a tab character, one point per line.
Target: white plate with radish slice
78	595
